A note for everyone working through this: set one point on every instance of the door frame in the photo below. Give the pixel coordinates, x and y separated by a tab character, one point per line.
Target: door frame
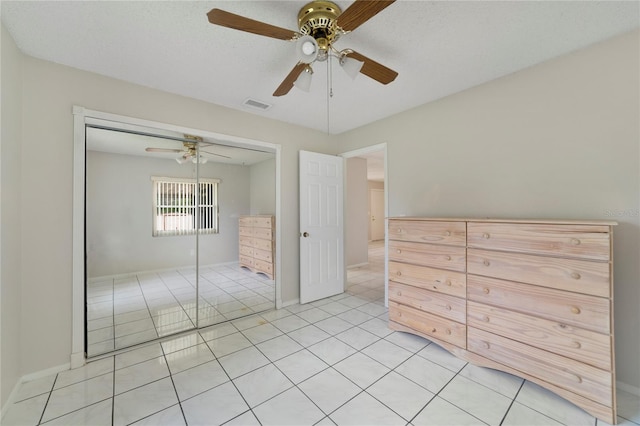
357	153
82	116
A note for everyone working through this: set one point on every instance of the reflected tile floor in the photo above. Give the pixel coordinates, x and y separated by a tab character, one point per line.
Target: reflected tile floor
333	361
142	307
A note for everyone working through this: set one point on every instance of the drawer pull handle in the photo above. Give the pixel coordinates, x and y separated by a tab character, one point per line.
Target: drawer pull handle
448	257
485	318
575	309
399	293
575	241
398	273
398	251
447	233
448	283
486	345
578	378
448	331
433	330
399	230
486	236
575	276
577	344
448	307
486	290
486	263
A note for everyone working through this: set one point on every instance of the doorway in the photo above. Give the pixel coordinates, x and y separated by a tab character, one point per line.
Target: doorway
171	262
365	222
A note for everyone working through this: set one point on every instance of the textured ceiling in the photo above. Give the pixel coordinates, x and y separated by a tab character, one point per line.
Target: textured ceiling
438	48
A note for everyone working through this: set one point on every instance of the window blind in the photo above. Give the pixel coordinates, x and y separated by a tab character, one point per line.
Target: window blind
180	209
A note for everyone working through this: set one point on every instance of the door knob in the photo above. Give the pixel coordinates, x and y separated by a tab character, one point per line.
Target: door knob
306	234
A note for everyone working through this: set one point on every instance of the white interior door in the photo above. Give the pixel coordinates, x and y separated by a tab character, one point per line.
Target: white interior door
321	226
376	218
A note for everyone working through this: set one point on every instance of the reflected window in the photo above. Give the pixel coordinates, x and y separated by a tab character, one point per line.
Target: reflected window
181	210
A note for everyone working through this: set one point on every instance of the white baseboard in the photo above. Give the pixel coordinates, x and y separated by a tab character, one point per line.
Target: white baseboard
10	400
634	390
290	302
27	378
155	271
77	360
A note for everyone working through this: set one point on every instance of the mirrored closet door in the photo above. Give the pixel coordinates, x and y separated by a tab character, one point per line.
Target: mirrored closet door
162	217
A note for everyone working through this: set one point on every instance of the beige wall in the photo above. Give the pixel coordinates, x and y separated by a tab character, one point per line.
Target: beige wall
50	91
356	208
119	235
262	190
558	140
10	213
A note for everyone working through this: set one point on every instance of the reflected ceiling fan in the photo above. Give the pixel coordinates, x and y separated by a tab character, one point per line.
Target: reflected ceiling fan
321	24
190	150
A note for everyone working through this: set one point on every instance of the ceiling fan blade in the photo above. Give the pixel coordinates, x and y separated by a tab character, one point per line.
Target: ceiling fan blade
360	12
213	153
374	69
162	150
287	83
237	22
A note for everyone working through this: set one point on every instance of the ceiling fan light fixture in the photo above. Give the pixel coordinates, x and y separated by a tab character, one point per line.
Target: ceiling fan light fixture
200	159
351	66
307	49
303	82
181	160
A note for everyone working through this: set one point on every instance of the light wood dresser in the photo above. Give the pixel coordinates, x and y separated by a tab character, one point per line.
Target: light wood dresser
533	298
257	243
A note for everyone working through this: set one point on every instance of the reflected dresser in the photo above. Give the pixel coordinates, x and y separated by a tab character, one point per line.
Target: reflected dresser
533	298
257	243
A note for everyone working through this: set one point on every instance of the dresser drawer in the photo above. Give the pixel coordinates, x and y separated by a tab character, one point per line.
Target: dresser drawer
438	232
260	244
263	222
263	255
435	256
262	266
263	233
246	221
449	307
589	312
569	374
246	261
246	240
440	280
428	324
246	251
246	231
580	241
573	342
580	276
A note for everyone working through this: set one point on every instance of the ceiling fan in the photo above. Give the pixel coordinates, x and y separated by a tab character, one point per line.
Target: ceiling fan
320	23
189	151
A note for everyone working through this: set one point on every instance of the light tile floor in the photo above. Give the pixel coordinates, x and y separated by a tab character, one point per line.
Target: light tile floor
333	361
142	307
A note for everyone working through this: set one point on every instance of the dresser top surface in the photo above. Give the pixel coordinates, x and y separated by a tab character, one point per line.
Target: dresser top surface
503	220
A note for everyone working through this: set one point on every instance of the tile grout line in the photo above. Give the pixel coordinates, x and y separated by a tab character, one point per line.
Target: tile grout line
113	391
173	383
512	402
53	386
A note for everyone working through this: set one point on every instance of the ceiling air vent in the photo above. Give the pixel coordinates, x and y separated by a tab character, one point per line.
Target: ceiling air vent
252	103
